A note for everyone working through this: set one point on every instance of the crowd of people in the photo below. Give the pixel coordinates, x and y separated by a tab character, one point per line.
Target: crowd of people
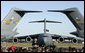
40	49
36	48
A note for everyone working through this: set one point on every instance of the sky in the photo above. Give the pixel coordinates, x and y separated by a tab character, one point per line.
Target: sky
26	28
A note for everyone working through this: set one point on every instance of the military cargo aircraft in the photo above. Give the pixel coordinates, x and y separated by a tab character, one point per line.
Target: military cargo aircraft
46	38
43	38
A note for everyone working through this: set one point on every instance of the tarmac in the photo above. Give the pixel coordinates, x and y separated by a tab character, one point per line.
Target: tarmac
6	44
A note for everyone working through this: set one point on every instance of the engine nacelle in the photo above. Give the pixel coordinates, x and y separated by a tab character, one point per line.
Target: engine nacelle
74	40
15	40
28	39
61	39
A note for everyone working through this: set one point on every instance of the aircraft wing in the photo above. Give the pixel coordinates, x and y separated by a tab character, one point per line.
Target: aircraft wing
24	37
54	36
44	21
62	38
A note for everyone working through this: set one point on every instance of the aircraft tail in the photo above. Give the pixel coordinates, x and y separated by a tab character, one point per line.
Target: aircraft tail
44	21
13	18
74	16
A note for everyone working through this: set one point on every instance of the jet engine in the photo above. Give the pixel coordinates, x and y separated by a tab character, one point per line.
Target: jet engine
15	39
61	39
28	39
74	40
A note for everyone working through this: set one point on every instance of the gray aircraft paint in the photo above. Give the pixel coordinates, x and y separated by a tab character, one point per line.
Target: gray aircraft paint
14	15
47	38
74	15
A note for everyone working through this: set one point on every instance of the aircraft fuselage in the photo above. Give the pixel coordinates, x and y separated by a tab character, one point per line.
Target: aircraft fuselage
45	39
